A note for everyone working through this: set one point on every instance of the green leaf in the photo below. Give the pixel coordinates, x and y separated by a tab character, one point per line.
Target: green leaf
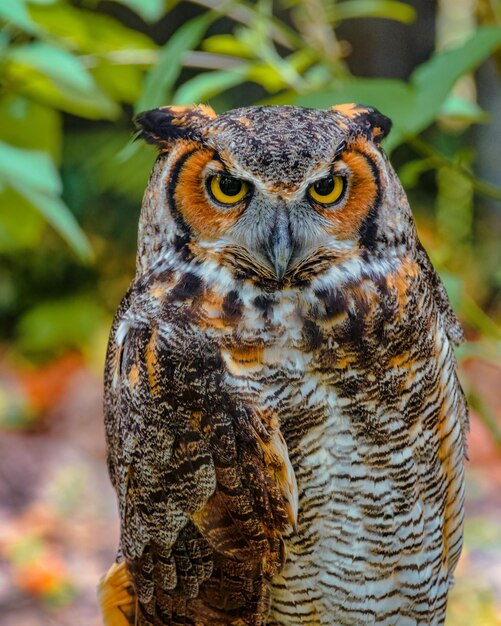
33	175
392	97
16	233
56	63
108	173
373	8
413	106
89	32
461	110
454	287
149	10
267	76
114	55
22	117
15	12
61	219
121	82
450	65
433	80
160	80
54	76
60	324
207	85
28	168
479	319
301	60
228	45
36	86
411	171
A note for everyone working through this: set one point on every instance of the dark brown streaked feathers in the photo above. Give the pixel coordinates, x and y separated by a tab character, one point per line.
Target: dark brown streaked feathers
286	430
186	457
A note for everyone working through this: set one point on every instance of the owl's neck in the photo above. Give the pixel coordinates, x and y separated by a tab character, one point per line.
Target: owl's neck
187	278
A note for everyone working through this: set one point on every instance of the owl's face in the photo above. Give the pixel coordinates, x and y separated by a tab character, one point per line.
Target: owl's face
276	193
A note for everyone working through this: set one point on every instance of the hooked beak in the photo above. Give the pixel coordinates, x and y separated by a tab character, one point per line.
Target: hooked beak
280	247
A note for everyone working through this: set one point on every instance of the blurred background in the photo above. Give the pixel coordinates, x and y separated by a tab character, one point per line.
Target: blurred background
72	75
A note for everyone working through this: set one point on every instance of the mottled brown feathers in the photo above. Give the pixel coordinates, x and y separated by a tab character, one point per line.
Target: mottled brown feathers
166	125
366	120
204	461
286	430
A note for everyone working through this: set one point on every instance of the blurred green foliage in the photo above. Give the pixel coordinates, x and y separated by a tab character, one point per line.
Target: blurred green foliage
72	75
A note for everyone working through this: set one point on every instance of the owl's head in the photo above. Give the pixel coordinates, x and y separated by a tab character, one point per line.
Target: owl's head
275	193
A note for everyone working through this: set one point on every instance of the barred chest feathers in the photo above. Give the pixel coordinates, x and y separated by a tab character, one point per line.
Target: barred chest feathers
348	366
284	421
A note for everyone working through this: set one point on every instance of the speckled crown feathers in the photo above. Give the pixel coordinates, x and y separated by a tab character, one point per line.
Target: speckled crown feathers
166	124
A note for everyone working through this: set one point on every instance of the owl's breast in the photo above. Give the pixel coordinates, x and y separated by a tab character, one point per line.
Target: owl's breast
372	533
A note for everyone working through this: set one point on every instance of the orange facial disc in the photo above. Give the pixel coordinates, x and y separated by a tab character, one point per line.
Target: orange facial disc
360	196
191	200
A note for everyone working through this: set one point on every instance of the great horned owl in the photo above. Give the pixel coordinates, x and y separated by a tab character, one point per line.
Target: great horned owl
285	426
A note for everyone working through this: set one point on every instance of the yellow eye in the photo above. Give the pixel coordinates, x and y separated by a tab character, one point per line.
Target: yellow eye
227	189
327	190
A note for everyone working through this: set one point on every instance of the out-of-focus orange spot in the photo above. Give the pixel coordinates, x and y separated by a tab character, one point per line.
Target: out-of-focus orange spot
47	384
44	576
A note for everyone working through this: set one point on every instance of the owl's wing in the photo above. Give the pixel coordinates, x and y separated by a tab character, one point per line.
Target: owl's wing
453	331
201	478
446	402
451	322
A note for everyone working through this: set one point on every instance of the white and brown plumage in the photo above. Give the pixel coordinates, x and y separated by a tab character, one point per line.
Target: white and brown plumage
285	426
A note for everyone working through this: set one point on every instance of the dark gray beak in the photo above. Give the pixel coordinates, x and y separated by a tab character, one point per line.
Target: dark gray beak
280	246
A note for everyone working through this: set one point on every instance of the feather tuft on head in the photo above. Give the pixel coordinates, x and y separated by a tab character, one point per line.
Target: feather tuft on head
165	125
364	119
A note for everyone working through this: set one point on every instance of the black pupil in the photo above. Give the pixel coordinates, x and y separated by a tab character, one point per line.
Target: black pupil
324	186
229	185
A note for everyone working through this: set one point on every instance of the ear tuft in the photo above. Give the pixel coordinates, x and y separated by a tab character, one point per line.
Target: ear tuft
165	125
366	120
